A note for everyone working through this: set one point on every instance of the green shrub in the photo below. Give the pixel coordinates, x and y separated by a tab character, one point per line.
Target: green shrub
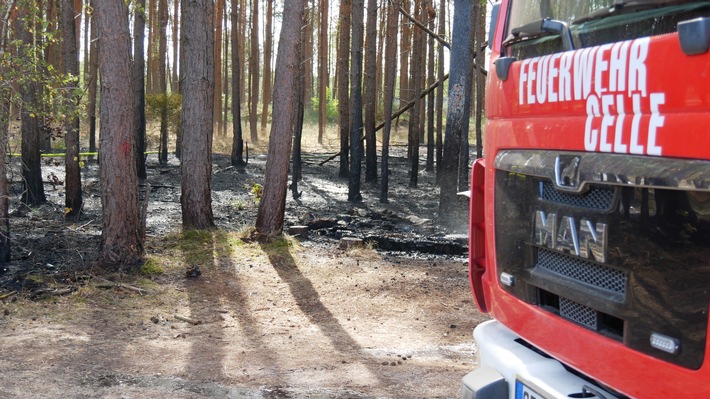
331	106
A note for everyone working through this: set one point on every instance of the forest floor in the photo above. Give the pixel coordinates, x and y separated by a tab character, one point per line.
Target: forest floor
216	315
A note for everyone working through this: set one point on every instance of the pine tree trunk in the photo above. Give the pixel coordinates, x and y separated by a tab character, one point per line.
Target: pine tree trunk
356	124
225	74
391	72
464	150
370	97
459	108
70	61
4	134
440	93
270	217
139	88
415	114
237	158
174	80
151	78
296	161
343	85
267	63
121	243
197	85
380	72
33	192
430	98
308	52
162	78
218	9
254	72
4	186
93	81
323	49
480	78
405	50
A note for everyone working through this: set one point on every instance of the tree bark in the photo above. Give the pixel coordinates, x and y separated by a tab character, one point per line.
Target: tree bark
430	141
270	217
405	49
139	87
225	74
343	85
197	85
121	242
267	63
4	186
219	6
415	115
174	80
162	78
440	93
323	49
370	97
459	108
93	81
464	149
4	134
254	72
72	181
480	79
391	68
356	124
296	161
151	76
33	193
237	158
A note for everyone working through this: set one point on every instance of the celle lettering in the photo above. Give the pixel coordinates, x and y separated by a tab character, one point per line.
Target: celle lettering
612	83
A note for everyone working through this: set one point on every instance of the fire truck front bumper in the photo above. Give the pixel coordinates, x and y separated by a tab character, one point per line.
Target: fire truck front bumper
510	368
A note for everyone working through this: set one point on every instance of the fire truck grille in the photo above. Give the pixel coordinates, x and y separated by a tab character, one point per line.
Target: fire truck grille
583	271
595	198
579	313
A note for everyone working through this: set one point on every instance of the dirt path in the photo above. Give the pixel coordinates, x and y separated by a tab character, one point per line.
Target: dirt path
291	319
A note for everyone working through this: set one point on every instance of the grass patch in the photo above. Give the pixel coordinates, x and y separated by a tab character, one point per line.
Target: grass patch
151	268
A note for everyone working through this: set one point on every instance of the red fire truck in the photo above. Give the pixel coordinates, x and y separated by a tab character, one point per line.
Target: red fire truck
590	213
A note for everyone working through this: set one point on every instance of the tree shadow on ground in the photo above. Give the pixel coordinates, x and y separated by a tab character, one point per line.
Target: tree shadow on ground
208	355
308	300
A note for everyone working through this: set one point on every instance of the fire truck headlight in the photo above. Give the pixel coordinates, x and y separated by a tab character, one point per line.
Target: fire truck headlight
665	343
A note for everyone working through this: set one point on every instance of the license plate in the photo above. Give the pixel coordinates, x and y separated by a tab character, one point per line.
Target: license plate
522	391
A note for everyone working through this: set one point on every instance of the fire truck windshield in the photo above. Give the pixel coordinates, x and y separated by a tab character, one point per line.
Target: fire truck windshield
587	23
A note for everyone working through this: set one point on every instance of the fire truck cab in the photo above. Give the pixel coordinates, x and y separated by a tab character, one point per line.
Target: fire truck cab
590	213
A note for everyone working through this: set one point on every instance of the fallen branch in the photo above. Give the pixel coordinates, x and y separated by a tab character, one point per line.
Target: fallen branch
53	292
188	320
110	284
398	113
9	294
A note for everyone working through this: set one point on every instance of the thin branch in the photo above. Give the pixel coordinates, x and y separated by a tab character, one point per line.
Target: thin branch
444	42
400	112
425	29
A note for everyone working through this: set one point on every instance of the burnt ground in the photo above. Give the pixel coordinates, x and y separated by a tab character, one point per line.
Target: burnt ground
214	314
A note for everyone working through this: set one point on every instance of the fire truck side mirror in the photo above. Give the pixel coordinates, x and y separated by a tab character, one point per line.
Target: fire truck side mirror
694	36
503	66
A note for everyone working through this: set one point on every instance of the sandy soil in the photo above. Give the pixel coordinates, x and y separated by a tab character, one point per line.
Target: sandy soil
297	318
